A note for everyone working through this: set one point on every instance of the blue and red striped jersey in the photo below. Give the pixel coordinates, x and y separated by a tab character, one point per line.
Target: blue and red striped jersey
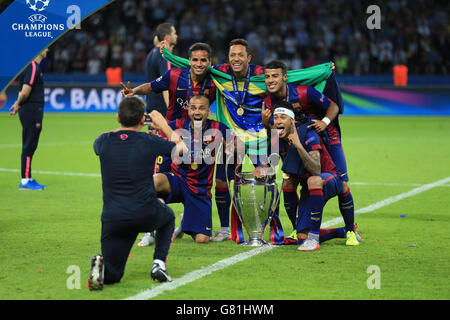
311	141
177	80
197	170
306	98
309	100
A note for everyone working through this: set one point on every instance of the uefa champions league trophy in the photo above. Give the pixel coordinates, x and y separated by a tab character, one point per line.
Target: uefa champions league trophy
255	200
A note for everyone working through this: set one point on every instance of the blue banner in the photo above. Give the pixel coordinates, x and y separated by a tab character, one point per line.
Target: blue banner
60	98
357	100
29	26
74	99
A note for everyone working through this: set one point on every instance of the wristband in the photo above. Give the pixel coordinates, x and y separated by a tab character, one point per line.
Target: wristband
326	120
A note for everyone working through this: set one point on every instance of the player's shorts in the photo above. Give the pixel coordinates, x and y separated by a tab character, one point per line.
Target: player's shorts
336	152
163	164
332	186
197	217
221	174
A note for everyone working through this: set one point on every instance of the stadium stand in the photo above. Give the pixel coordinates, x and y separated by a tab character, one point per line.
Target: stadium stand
300	32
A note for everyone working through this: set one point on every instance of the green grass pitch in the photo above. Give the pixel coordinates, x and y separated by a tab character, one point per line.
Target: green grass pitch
47	237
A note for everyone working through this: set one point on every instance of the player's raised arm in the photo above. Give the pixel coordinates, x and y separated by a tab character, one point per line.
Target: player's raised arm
311	160
265	116
143	89
321	125
160	123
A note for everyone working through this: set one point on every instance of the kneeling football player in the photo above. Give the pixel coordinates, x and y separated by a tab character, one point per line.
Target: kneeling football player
190	181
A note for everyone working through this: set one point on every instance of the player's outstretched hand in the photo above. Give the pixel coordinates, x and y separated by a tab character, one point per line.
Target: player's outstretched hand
127	91
318	125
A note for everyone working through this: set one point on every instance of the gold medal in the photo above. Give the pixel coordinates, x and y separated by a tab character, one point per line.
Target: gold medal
194	166
240	111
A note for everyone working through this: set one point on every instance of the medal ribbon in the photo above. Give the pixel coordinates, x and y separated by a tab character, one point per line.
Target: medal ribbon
245	90
190	89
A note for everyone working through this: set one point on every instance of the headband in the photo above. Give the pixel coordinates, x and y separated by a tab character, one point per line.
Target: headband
285	111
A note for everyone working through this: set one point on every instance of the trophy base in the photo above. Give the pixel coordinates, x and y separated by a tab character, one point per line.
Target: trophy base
256	242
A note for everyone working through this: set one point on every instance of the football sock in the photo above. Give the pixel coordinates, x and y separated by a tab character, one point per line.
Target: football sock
160	263
223	203
26	166
331	233
313	235
347	210
24	181
317	202
290	205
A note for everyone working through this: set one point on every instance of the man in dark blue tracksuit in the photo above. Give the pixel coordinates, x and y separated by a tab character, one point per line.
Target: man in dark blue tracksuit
30	106
130	204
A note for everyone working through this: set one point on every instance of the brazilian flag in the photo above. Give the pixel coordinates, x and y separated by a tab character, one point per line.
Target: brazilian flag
248	127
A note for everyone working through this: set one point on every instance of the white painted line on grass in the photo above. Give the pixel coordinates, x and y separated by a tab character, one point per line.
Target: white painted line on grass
96	175
388	201
57	173
47	144
197	274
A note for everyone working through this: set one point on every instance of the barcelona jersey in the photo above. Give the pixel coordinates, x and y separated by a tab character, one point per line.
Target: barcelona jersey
291	158
197	170
177	81
309	100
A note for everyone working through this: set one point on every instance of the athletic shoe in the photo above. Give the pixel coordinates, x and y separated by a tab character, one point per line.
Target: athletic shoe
309	245
31	185
358	236
351	239
96	274
147	240
221	236
160	274
178	234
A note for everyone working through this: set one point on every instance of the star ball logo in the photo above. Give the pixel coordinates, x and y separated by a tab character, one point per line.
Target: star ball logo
38	5
39	27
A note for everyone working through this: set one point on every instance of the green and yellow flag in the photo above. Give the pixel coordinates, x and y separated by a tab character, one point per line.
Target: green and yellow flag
248	126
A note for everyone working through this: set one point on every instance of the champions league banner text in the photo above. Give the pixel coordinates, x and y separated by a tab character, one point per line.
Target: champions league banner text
29	26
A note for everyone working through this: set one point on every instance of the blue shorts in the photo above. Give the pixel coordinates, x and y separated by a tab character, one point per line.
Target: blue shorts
197	217
221	174
332	186
337	154
163	164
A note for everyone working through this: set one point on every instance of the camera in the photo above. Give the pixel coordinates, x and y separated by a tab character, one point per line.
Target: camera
148	120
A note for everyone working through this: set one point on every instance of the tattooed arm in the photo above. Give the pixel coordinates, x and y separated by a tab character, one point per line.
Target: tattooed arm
311	160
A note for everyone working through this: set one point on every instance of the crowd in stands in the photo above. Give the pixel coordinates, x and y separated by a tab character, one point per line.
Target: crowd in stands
300	32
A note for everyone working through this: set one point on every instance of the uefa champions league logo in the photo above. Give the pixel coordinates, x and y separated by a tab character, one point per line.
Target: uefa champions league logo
38	5
39	26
